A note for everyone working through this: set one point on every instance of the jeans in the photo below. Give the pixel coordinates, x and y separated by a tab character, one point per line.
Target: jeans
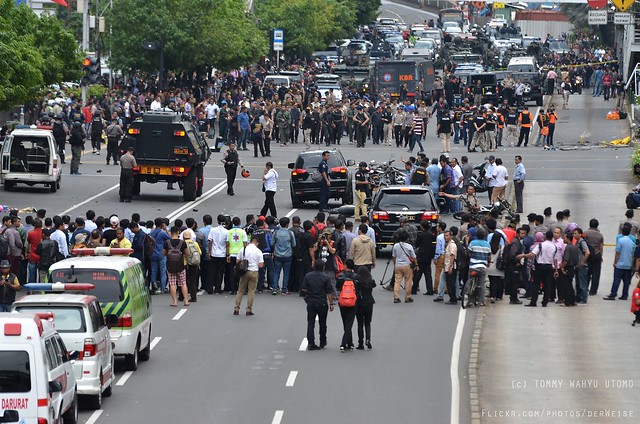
320	310
283	264
265	271
32	272
324	196
415	138
5	307
242	140
159	266
582	284
625	276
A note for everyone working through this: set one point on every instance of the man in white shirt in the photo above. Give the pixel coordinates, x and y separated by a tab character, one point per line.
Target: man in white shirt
249	280
458	178
155	104
212	111
270	187
89	223
217	241
60	237
488	175
500	176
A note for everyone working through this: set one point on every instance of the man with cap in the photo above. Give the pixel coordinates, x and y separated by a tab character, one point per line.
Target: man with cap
127	163
9	285
109	234
361	190
114	132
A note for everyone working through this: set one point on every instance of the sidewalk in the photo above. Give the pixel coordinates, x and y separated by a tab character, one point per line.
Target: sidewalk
541	365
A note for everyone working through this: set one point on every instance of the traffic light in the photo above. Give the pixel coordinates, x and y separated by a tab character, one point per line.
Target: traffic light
91	71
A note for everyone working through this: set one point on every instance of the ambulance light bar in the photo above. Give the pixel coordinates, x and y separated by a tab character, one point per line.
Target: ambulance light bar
101	251
58	287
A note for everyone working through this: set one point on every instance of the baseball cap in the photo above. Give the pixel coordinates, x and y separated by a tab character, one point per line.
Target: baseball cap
114	220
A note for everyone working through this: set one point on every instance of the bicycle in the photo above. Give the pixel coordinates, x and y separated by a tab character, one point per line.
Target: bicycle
470	290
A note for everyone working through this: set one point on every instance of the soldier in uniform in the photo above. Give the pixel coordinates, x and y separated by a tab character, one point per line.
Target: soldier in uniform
113	132
361	190
96	132
127	163
338	119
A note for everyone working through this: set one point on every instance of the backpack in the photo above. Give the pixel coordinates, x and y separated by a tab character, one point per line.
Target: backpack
175	259
462	256
193	256
507	254
347	297
4	245
148	246
630	202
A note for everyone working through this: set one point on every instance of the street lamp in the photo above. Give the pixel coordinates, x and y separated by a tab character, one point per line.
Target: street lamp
156	45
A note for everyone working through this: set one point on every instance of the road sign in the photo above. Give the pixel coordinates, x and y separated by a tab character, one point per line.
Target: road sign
498	5
621	18
597	17
597	4
622	5
278	40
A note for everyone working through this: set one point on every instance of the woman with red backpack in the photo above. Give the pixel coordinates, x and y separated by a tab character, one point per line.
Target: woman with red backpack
347	286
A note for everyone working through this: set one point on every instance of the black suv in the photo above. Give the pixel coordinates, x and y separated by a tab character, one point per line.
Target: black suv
303	188
490	87
390	204
167	149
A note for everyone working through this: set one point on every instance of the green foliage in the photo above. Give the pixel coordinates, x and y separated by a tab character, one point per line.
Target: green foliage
308	25
34	51
366	10
635	158
578	14
96	91
197	34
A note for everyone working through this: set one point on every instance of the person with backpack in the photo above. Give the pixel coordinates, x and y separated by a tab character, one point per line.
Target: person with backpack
282	244
347	286
192	258
47	250
175	250
364	307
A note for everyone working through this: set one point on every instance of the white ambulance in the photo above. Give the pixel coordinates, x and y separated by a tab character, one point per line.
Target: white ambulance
37	382
79	321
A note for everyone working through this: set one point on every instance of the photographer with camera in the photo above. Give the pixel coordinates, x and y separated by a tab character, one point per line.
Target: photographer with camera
9	285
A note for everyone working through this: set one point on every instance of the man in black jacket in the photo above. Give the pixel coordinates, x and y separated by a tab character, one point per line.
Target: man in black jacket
426	246
318	293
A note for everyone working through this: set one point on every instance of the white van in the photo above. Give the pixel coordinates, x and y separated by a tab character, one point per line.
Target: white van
277	80
79	321
329	82
37	382
29	156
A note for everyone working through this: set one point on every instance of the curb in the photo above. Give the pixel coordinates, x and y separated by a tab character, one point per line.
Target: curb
474	398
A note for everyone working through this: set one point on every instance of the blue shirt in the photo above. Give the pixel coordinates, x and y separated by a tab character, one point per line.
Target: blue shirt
632	237
439	245
243	121
434	175
479	254
205	232
625	247
520	173
323	168
161	237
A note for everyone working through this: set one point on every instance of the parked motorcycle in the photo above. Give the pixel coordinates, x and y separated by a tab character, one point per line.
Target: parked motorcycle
501	206
477	178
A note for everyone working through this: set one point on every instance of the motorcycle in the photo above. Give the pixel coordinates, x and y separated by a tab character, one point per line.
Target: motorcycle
577	84
501	206
384	175
477	178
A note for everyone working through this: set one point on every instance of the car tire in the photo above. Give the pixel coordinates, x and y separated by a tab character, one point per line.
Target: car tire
200	181
347	199
539	101
189	186
53	187
8	186
145	353
94	401
131	361
71	416
295	202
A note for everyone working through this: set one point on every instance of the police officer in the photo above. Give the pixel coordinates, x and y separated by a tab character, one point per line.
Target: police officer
420	176
127	162
338	124
361	190
445	130
60	131
525	120
96	132
231	160
76	140
114	132
318	294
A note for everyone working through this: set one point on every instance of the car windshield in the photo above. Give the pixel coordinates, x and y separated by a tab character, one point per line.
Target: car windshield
395	39
106	281
454	30
558	45
489	79
277	81
311	161
424	44
66	319
15	372
414	201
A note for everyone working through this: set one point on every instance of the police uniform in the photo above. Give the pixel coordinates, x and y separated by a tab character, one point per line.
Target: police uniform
361	191
511	119
491	131
457	117
419	177
444	131
127	162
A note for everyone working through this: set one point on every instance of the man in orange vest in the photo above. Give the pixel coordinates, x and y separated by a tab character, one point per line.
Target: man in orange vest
551	123
524	120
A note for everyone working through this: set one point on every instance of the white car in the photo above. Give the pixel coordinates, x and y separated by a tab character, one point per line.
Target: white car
79	321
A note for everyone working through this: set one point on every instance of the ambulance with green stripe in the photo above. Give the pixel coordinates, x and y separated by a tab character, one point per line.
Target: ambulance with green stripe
121	290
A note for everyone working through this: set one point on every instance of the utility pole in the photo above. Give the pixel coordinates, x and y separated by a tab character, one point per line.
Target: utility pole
85	41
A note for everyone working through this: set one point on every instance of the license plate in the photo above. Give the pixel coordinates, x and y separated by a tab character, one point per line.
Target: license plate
180	150
155	170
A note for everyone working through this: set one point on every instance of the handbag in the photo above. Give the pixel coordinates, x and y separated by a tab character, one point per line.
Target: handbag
242	266
339	265
500	264
544	131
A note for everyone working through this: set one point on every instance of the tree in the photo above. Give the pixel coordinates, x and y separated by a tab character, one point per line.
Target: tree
197	34
366	10
308	25
34	51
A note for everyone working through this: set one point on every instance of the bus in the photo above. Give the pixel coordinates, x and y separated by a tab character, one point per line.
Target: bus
451	15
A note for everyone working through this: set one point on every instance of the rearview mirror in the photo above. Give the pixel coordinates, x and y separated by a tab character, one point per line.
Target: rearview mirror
55	386
351	162
291	165
111	320
10	416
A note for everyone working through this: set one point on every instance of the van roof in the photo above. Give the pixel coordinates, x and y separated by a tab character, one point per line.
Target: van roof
521	60
31	132
56	299
117	263
29	323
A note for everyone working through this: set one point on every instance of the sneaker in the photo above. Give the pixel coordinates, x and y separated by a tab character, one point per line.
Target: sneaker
609	297
274	292
343	349
410	300
438	299
313	347
285	293
396	300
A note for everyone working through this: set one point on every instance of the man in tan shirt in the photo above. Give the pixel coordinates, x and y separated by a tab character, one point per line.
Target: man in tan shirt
362	249
127	162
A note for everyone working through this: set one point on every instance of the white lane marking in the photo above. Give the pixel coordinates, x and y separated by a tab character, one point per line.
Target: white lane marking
291	212
277	417
90	199
455	361
179	314
94	417
292	378
124	378
154	342
182	209
303	345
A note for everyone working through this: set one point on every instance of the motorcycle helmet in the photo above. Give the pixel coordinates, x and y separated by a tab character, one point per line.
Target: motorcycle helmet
245	173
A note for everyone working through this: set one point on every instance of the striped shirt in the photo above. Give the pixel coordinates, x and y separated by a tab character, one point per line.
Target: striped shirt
479	254
417	125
